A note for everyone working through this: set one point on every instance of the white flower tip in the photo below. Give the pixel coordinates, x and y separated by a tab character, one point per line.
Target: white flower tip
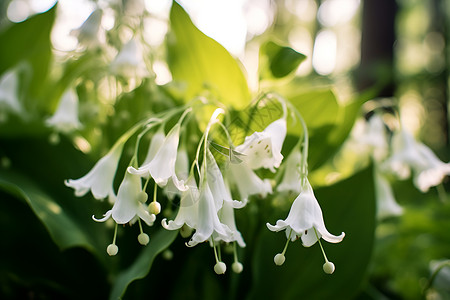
237	267
154	207
271	227
220	268
135	171
143	239
279	259
112	249
165	224
328	267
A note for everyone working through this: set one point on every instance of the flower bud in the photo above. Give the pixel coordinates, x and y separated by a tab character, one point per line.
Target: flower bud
154	208
143	239
112	249
279	259
328	267
237	267
220	268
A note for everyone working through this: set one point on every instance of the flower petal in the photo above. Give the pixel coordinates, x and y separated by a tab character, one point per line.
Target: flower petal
100	178
106	216
126	206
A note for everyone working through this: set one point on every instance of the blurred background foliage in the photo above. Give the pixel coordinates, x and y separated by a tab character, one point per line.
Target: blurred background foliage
328	57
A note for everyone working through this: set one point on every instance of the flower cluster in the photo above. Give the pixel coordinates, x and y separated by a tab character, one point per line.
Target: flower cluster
396	153
208	193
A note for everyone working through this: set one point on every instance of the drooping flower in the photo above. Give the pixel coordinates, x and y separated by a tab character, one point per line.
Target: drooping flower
409	154
386	204
291	176
88	33
226	217
208	223
100	178
182	172
263	149
305	220
161	167
217	184
65	118
129	61
375	138
155	144
8	93
128	207
188	211
225	205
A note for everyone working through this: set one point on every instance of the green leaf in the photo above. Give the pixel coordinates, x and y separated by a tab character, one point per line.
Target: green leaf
141	266
347	206
62	226
281	60
328	123
29	41
318	107
203	64
38	178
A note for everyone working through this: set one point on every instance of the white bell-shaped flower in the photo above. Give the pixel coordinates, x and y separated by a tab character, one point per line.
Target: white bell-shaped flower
129	61
188	211
182	172
386	204
65	118
263	149
226	217
9	101
217	184
408	154
305	220
375	137
291	177
88	33
161	167
155	144
247	182
225	205
100	178
208	223
128	206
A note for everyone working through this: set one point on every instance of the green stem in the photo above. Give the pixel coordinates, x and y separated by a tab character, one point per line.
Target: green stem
435	273
140	226
287	243
442	193
235	252
215	251
115	235
320	244
155	190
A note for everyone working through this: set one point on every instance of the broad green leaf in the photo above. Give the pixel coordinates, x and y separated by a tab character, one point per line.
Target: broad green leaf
31	263
202	64
29	41
318	107
141	266
37	173
280	60
62	226
328	123
347	206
